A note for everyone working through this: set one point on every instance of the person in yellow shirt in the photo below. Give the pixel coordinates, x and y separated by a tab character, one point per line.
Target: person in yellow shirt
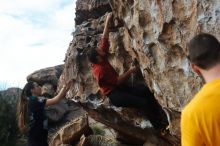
200	119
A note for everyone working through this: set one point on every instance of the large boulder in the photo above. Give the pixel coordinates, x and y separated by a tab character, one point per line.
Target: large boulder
49	75
155	33
70	128
57	112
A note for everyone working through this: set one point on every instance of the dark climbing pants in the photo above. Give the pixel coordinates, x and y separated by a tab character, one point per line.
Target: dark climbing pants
140	97
39	138
37	143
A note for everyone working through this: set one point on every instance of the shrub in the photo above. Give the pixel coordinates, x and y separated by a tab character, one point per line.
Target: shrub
8	125
98	131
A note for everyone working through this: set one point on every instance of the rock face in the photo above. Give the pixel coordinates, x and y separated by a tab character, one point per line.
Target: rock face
155	33
90	9
73	125
99	140
48	76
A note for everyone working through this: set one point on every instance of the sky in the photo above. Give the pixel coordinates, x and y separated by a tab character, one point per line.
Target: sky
34	34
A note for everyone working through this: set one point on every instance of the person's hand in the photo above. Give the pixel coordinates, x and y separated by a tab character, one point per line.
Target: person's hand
133	69
109	17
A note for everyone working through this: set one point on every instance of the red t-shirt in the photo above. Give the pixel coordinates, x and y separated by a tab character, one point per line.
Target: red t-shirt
104	73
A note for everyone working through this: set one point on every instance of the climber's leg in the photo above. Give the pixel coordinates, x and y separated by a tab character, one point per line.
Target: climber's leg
124	97
144	91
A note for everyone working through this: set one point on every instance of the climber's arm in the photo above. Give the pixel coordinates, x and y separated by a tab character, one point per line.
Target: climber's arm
103	48
60	95
106	28
122	78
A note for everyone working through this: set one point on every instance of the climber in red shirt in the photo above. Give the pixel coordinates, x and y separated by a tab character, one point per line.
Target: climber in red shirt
112	85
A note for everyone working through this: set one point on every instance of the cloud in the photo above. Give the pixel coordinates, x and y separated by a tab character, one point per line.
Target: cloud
34	35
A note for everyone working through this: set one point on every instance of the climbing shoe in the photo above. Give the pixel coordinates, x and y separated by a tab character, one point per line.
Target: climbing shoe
165	131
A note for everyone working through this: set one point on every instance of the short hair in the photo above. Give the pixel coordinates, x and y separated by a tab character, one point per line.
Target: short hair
204	51
92	55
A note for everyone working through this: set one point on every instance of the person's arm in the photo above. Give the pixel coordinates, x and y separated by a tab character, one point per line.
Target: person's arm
105	33
60	95
104	44
122	78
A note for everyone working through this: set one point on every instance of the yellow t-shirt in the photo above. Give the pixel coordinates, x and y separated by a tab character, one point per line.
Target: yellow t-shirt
200	120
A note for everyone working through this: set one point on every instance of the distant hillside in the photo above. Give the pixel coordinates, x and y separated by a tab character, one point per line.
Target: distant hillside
8	125
11	93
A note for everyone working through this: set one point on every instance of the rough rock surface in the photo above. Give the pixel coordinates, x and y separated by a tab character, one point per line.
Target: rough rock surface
90	9
48	75
71	127
57	112
98	140
48	90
